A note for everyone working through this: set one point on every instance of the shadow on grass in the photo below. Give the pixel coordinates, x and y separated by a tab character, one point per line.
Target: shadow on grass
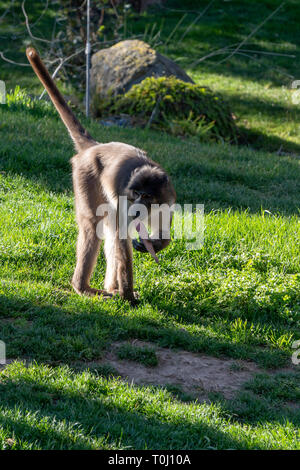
50	416
244	106
104	413
222	182
270	143
255	409
263	106
39	331
228	24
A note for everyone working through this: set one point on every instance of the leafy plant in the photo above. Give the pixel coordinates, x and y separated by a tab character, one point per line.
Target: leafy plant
190	126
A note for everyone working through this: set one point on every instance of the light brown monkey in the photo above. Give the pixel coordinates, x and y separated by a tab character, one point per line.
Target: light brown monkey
102	173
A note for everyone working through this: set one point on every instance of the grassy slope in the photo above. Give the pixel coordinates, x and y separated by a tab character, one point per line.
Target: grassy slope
238	297
258	87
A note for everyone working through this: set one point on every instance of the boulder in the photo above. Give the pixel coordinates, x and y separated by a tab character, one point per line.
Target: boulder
116	69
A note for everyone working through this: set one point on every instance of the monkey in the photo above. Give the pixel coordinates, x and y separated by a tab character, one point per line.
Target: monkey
101	173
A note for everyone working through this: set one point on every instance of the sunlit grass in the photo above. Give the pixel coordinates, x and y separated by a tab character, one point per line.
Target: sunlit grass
260	107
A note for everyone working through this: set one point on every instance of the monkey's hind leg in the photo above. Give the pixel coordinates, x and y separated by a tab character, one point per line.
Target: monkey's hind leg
88	245
125	269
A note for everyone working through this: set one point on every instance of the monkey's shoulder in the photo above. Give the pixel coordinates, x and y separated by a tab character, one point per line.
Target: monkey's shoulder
110	153
119	151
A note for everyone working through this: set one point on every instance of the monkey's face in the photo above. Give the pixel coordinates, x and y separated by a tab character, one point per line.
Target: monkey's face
139	196
147	186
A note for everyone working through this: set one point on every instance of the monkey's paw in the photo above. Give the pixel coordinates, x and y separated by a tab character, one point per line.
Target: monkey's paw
139	245
90	291
157	244
132	298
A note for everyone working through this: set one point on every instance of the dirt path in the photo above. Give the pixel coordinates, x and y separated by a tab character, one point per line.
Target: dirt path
194	373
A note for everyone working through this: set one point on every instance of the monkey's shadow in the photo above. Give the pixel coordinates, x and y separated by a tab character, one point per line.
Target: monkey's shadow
84	328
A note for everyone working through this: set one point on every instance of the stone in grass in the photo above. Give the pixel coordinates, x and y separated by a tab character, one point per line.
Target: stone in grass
116	69
119	121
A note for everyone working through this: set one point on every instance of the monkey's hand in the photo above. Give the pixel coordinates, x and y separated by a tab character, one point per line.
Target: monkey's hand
153	244
157	243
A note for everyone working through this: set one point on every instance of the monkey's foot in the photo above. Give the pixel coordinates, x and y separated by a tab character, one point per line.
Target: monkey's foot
132	298
100	292
90	291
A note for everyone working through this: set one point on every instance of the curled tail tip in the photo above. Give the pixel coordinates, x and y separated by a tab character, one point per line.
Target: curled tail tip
31	53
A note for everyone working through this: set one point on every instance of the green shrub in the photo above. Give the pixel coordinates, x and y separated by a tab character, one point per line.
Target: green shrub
177	107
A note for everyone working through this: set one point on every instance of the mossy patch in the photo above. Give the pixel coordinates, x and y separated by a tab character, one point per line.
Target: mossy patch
172	105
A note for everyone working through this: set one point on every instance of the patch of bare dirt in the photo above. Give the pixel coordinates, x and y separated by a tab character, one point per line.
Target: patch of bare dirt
7	320
194	373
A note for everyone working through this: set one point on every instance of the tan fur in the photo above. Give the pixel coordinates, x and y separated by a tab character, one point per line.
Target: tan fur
100	174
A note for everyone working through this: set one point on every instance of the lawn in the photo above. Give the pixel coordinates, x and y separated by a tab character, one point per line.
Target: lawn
236	298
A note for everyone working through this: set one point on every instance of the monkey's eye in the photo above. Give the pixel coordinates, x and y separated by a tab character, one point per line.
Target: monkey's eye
136	194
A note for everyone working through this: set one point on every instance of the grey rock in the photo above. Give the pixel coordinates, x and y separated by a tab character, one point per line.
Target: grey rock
116	69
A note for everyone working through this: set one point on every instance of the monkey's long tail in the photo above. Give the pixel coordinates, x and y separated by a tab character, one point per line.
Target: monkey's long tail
79	135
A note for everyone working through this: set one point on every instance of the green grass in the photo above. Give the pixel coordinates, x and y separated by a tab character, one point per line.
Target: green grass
144	355
58	409
237	297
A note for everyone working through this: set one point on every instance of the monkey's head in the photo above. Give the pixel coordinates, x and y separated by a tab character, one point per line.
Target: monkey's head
150	185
